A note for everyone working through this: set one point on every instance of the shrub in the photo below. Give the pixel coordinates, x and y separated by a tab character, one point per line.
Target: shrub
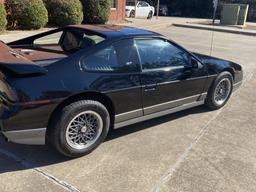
3	21
96	11
26	14
64	12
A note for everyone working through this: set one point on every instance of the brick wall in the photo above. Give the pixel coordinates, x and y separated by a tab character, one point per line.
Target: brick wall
118	14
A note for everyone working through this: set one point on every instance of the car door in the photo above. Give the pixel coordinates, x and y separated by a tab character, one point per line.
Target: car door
147	9
170	76
114	70
139	9
142	9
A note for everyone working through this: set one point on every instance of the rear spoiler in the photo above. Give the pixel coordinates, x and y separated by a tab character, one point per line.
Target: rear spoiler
23	69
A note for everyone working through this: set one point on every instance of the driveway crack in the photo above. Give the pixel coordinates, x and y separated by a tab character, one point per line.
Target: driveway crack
28	165
184	156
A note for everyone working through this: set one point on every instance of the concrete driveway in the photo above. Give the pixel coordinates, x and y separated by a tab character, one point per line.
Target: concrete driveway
195	150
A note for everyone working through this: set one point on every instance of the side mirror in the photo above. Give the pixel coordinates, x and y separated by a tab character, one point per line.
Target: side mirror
194	63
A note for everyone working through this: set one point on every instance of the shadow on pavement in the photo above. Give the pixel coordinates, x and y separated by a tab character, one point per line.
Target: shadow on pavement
15	157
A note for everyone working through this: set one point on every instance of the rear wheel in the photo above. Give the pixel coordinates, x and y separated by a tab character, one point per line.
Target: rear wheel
150	15
220	91
79	128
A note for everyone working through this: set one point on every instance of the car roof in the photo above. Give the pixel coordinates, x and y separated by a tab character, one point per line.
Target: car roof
114	31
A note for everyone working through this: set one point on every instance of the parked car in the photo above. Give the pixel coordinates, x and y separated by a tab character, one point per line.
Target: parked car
143	9
68	87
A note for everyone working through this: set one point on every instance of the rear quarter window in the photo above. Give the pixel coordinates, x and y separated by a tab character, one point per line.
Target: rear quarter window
120	57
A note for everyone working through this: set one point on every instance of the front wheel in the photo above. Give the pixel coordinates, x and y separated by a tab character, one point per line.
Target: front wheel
132	14
79	128
220	91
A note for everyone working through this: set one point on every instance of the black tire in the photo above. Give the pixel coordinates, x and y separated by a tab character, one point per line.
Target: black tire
132	14
60	122
210	100
150	15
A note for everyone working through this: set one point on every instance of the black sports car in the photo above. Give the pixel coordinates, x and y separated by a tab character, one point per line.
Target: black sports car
69	86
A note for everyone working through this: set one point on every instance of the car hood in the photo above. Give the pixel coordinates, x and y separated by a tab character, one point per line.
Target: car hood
206	59
129	7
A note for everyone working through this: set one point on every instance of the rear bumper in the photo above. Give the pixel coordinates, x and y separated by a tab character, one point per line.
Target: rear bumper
28	137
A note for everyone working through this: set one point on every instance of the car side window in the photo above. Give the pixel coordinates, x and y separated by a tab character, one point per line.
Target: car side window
144	4
120	57
140	4
52	39
159	53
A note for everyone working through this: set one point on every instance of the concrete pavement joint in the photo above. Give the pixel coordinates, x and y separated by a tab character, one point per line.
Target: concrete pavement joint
46	175
183	157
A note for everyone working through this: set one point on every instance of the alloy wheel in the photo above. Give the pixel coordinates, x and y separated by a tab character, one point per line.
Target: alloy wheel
222	91
84	130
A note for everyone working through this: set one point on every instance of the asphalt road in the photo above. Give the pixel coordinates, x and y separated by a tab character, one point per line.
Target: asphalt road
195	150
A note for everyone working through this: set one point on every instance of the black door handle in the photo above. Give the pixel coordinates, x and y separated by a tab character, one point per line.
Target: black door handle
150	87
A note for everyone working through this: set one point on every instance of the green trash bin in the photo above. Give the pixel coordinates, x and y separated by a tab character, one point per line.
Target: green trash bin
229	14
243	14
234	14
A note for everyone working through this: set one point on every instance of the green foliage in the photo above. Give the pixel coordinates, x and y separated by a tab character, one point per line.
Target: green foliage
64	12
96	11
26	14
3	21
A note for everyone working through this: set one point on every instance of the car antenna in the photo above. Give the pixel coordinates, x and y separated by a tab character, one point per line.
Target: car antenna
215	6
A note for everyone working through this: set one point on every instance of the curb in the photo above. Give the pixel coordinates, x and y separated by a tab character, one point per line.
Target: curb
215	29
156	26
